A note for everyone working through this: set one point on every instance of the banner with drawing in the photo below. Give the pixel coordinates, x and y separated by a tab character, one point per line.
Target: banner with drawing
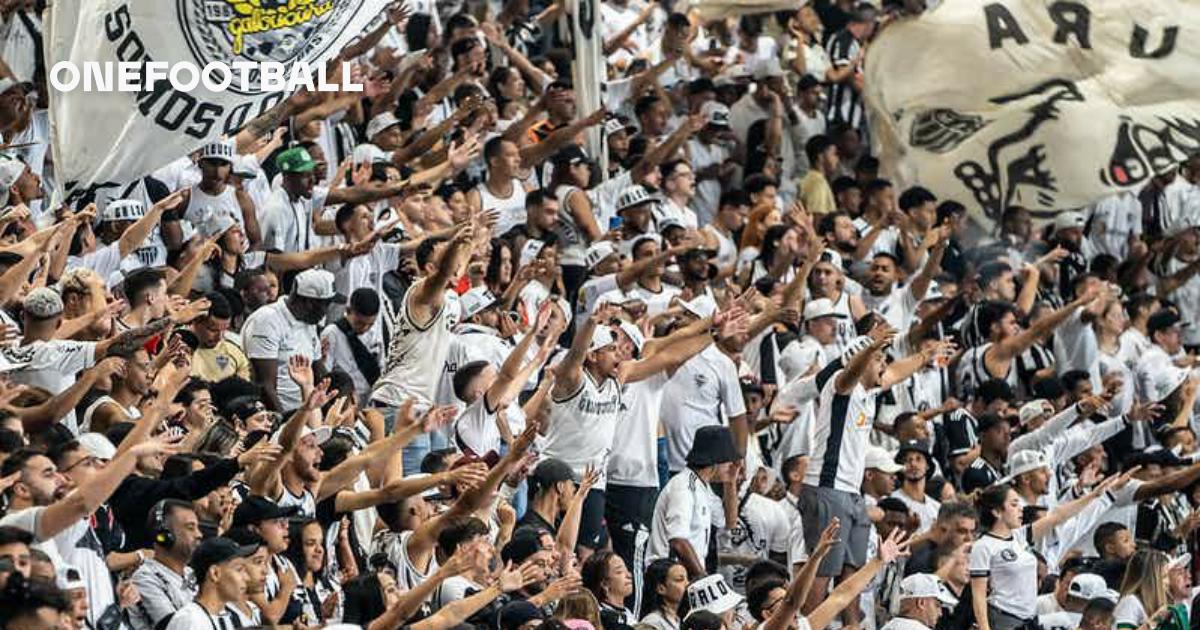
1046	105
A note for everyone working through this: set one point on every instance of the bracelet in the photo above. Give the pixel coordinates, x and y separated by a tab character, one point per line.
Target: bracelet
141	556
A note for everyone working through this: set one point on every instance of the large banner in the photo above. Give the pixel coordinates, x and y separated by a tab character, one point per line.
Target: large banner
721	9
1046	105
109	136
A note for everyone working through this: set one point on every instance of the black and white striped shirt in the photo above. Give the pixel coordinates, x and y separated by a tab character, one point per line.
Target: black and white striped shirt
845	103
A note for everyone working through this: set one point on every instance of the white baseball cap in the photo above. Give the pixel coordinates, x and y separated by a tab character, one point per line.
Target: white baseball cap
597	252
380	123
920	585
1089	586
821	307
715	113
1026	461
1181	561
602	337
766	68
322	433
1033	409
633	196
879	459
475	301
369	154
701	306
221	150
1071	219
97	446
711	593
833	258
215	221
317	284
123	210
634	335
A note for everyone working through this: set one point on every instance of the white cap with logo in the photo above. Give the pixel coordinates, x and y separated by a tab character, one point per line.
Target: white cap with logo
381	123
476	301
317	284
821	307
711	593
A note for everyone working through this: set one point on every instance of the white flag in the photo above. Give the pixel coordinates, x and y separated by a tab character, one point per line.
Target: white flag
1043	105
112	136
589	72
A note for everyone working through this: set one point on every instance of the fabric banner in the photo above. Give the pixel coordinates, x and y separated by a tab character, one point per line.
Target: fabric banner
589	72
107	137
721	9
1045	105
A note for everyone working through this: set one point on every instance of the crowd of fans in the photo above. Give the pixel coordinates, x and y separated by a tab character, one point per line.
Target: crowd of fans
414	358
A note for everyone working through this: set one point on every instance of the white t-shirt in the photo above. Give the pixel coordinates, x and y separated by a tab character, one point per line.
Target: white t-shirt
708	191
1130	613
195	617
762	529
52	365
634	458
656	301
476	427
340	355
687	508
926	511
1011	569
288	224
841	433
704	391
272	332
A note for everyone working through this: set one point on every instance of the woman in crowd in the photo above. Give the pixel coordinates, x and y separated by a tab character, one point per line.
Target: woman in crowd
662	594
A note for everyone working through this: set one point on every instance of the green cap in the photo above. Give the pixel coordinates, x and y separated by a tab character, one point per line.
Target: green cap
295	160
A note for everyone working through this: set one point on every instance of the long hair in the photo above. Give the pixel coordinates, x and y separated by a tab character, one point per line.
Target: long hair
991	501
656	576
580	605
594	571
364	600
295	550
756	227
1144	578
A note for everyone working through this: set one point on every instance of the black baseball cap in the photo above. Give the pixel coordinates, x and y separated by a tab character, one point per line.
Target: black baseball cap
518	613
256	509
807	82
215	551
525	541
570	155
1161	320
549	472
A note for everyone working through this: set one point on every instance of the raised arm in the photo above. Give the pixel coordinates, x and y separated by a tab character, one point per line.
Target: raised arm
800	586
569	370
136	234
848	591
849	376
1013	346
88	496
429	294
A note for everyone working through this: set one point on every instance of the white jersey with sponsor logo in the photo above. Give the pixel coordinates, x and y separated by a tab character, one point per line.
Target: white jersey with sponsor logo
583	424
840	436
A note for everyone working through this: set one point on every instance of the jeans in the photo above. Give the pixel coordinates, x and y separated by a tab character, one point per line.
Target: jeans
417	449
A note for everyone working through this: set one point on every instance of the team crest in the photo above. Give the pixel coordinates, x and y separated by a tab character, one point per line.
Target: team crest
284	31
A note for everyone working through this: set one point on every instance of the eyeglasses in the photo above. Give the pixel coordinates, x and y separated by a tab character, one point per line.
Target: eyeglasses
88	461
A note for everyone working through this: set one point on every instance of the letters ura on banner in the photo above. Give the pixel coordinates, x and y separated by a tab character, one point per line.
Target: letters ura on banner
1045	105
144	130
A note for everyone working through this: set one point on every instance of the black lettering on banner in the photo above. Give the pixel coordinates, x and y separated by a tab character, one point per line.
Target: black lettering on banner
123	49
1137	45
237	118
116	22
1001	25
148	97
1072	19
205	117
167	118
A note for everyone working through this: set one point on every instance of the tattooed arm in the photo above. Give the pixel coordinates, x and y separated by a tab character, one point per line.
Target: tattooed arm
128	341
